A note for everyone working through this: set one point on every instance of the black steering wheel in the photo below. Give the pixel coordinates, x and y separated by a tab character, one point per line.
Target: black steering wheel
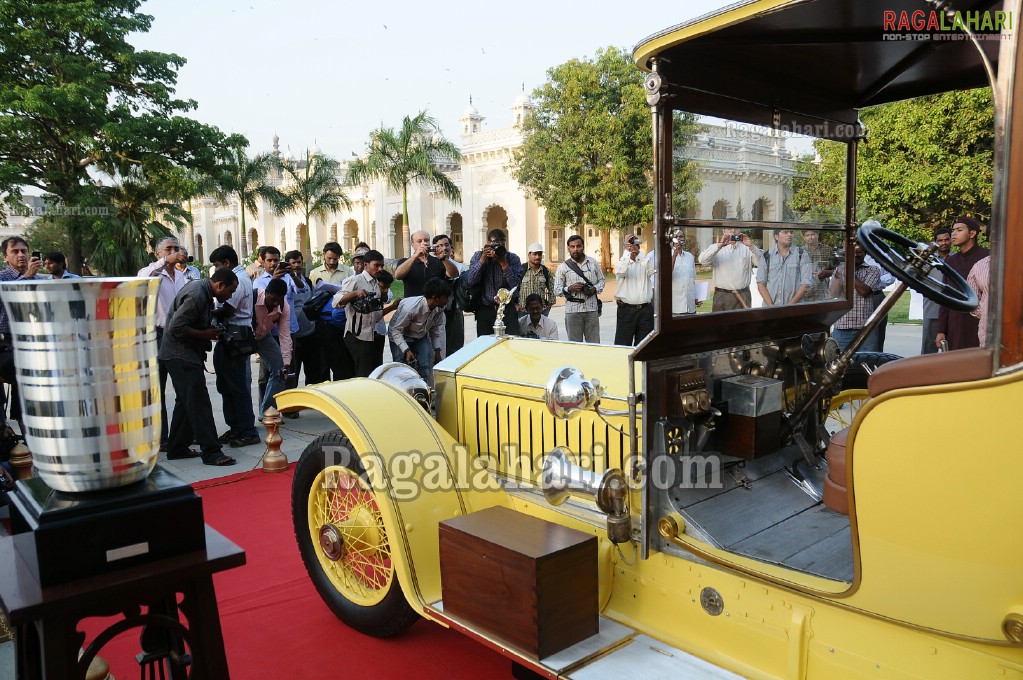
911	263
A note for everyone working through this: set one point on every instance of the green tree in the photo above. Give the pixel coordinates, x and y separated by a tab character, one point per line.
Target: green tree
120	241
248	180
312	187
408	156
47	234
77	97
924	162
587	152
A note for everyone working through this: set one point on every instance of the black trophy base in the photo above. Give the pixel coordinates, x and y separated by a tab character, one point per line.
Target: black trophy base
63	537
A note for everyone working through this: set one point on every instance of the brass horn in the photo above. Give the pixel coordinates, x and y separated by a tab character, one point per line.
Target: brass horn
560	479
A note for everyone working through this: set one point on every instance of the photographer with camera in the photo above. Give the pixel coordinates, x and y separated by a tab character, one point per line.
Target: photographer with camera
426	263
234	372
496	268
635	313
733	259
304	351
363	296
580	280
189	333
275	268
186	268
272	313
169	254
454	321
416	330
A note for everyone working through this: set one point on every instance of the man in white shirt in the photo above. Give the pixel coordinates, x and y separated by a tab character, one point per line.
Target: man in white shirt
417	328
534	324
372	282
168	253
733	259
234	374
635	313
683	281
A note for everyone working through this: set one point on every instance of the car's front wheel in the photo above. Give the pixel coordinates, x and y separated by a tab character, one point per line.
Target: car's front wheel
343	541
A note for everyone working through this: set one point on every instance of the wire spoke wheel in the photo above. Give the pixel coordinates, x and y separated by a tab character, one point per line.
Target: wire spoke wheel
345	521
844	407
343	539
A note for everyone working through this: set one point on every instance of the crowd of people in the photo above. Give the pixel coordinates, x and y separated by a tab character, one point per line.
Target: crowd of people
332	324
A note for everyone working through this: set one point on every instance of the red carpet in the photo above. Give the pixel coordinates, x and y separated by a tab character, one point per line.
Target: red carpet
275	625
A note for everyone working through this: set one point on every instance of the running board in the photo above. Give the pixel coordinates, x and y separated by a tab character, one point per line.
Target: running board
615	651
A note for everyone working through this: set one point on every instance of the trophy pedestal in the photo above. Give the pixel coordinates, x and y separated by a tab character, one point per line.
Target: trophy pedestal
63	537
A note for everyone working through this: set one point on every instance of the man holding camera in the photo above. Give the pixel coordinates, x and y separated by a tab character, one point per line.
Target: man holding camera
189	332
415	271
733	259
272	313
454	322
580	280
234	373
19	266
363	296
169	254
498	269
275	268
635	313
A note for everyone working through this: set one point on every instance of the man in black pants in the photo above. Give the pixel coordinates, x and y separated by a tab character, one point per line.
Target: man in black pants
188	334
497	268
234	374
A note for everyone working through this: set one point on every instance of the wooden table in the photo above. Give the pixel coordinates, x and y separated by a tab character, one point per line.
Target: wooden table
45	620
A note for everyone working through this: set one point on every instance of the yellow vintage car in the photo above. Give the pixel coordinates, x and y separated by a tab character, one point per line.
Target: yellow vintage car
740	529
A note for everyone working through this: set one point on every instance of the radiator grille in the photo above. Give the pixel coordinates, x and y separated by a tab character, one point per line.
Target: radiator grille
515	433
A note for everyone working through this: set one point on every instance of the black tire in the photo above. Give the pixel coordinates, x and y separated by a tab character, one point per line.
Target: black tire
856	374
332	455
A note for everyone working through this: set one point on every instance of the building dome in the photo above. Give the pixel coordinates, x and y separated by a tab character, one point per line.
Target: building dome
471	111
523	100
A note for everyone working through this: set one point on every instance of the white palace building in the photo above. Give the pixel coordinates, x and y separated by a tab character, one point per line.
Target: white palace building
747	170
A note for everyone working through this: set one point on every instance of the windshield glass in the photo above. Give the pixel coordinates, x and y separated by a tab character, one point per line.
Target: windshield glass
750	228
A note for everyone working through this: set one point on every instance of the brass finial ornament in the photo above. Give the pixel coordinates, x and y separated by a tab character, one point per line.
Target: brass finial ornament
21	461
273	459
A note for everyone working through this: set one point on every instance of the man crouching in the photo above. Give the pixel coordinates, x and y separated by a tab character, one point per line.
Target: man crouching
417	330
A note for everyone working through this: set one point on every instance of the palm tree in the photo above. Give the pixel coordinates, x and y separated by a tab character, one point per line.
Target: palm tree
248	180
408	156
312	188
120	243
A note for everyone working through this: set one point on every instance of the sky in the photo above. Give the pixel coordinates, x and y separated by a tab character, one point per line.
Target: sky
327	73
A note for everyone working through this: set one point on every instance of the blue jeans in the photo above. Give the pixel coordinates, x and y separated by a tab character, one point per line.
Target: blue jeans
272	360
234	382
423	349
844	336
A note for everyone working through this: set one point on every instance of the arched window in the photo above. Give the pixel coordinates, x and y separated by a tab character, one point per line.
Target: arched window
720	210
